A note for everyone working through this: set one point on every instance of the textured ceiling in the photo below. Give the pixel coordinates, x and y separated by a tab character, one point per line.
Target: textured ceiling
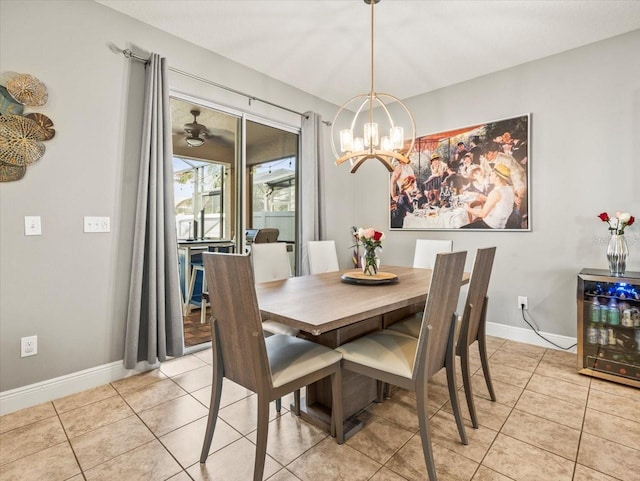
322	47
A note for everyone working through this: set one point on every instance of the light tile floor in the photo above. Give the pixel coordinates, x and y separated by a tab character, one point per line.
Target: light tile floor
549	424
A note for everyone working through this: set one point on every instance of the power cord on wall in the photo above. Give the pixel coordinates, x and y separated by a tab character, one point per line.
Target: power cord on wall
536	329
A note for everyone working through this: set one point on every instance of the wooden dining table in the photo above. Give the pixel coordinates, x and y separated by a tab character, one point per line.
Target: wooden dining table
332	312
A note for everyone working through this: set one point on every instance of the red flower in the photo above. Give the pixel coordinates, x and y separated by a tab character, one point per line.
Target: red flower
604	217
377	235
631	220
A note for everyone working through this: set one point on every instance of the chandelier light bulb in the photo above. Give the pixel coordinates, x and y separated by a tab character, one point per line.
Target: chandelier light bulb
346	140
397	136
358	144
371	134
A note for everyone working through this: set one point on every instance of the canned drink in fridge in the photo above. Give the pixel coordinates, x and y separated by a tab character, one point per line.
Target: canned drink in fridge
626	318
592	334
603	337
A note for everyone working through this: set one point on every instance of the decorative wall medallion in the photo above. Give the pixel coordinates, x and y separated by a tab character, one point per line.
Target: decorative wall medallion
21	135
27	90
8	106
20	140
45	123
10	173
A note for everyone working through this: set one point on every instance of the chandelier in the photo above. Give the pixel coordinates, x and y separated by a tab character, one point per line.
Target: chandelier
366	136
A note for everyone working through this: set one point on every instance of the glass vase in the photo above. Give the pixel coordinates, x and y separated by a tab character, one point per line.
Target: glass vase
370	262
617	252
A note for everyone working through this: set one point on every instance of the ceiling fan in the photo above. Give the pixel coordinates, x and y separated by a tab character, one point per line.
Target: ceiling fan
197	132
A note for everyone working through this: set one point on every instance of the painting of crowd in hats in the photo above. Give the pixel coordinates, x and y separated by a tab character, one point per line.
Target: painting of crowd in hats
474	178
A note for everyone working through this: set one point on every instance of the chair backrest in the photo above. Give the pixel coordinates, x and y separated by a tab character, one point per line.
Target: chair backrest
237	327
442	301
426	250
478	286
270	262
322	257
268	234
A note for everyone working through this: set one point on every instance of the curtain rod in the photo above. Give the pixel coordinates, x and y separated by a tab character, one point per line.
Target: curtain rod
129	54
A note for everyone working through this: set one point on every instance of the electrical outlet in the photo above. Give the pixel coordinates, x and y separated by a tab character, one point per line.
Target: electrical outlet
28	346
523	301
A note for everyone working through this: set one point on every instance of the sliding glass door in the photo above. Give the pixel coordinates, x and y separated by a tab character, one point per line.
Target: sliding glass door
272	172
232	174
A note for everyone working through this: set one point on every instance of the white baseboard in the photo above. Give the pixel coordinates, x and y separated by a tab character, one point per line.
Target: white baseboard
58	387
50	389
528	336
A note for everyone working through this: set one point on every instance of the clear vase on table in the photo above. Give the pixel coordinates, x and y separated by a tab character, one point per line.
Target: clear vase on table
370	262
617	252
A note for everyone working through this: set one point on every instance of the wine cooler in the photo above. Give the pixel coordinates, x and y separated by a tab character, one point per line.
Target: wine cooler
609	326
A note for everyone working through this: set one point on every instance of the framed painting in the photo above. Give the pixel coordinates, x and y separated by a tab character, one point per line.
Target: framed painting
472	178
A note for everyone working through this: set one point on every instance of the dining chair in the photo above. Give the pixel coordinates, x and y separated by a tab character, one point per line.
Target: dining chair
322	257
409	362
271	367
200	268
270	262
472	327
426	250
267	235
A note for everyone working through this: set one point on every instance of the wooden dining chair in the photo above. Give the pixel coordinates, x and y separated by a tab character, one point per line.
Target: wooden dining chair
271	367
409	362
426	250
322	257
472	328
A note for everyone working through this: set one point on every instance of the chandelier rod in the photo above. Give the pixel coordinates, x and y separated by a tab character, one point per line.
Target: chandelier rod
371	92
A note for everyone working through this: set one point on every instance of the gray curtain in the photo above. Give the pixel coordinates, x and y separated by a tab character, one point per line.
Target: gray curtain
310	180
154	317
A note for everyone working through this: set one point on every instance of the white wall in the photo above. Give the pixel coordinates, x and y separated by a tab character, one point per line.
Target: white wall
585	159
71	288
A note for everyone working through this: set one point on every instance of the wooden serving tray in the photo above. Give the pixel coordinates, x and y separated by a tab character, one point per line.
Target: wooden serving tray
359	277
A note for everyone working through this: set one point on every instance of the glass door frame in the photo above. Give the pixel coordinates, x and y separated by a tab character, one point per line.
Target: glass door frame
245	188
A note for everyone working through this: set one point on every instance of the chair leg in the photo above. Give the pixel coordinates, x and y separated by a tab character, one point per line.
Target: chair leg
261	437
337	421
214	405
466	380
278	405
482	347
451	381
425	437
203	300
191	287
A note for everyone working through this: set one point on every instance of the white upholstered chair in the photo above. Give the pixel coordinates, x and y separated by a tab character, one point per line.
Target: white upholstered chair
409	362
271	367
270	261
426	250
322	257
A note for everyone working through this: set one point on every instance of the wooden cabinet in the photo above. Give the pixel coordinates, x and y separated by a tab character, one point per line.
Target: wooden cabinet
609	326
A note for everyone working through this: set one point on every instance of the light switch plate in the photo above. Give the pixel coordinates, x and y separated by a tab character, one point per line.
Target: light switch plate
97	224
32	225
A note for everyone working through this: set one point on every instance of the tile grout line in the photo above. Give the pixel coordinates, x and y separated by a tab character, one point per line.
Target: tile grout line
66	434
